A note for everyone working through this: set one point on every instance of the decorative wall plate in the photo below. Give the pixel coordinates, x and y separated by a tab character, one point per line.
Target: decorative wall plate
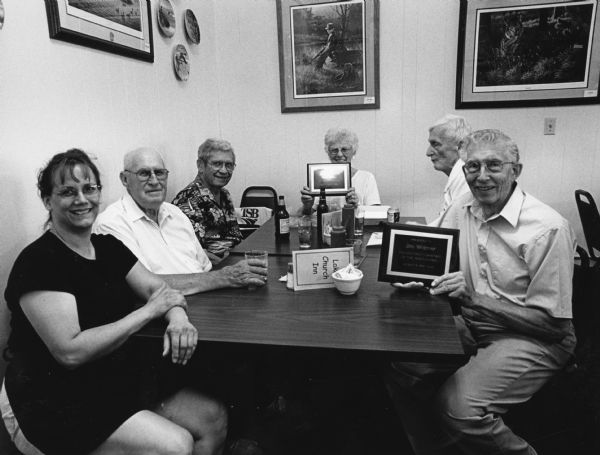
166	18
192	29
181	62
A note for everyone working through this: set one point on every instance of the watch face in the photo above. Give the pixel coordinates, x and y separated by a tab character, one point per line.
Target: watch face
192	30
166	18
181	62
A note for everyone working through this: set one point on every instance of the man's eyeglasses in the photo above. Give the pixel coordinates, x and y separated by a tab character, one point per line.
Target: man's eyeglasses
493	166
216	165
345	150
70	192
144	175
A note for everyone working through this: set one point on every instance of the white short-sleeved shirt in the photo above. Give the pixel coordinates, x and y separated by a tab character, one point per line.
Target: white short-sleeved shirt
169	247
365	187
455	187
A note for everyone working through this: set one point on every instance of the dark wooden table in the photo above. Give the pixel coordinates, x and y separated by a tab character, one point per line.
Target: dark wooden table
379	317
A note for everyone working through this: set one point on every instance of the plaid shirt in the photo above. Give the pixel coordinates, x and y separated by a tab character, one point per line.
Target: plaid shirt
215	225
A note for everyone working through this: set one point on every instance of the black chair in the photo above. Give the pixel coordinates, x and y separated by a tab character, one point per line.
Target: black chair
259	196
590	221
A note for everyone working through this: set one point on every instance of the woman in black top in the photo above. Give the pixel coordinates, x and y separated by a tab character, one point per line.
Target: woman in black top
70	380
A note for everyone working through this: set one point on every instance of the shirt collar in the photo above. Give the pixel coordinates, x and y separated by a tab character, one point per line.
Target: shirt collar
510	212
455	172
134	212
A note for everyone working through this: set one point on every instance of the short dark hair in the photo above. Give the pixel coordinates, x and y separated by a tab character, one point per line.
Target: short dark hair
60	164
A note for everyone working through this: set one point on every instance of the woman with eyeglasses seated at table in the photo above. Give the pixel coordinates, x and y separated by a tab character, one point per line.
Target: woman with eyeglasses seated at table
71	385
341	145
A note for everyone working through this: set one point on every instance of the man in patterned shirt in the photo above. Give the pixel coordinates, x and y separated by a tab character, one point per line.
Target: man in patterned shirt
208	204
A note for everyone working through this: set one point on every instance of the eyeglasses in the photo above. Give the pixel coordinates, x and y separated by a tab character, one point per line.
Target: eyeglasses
70	192
345	150
493	166
144	175
216	165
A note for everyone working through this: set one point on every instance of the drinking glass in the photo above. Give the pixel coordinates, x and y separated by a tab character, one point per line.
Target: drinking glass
356	245
255	256
304	231
359	222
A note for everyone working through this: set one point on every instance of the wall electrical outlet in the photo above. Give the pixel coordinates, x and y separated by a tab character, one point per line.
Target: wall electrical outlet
550	125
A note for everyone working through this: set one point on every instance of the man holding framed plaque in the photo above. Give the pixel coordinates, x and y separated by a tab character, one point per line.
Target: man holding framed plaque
514	288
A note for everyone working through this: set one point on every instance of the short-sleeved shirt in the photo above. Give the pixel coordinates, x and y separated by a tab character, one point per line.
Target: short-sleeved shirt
63	411
455	187
215	224
522	255
365	187
167	247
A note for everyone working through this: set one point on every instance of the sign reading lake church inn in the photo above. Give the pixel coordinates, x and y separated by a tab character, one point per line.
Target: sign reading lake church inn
313	268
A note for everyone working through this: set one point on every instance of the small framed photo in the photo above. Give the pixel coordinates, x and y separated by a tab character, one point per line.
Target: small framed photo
334	177
417	253
515	53
123	28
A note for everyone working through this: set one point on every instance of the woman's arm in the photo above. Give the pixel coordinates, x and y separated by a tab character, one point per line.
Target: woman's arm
55	318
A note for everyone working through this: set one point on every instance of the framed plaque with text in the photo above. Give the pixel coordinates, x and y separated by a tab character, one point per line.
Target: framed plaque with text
417	253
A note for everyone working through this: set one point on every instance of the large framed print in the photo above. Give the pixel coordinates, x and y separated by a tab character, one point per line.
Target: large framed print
417	253
328	54
336	178
514	53
120	27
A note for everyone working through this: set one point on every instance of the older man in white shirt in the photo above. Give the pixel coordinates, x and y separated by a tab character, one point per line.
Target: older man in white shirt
161	236
445	136
514	288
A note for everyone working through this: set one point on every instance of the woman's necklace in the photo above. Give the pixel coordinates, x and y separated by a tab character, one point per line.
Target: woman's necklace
89	253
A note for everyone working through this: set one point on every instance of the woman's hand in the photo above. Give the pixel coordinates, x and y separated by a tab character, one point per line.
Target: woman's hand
352	197
163	299
453	284
181	337
307	199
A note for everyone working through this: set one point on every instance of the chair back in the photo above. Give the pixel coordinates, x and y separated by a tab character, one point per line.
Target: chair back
590	221
259	196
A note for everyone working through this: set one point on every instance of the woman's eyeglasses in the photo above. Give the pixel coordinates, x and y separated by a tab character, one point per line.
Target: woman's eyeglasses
70	192
334	151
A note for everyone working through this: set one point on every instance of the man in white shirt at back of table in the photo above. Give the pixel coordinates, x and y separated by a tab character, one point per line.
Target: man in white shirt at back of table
445	136
161	236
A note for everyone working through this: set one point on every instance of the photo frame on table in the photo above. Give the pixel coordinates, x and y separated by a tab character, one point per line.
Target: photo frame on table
417	253
328	54
125	29
336	178
516	53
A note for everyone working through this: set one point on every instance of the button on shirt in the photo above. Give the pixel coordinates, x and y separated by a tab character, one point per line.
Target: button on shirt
523	255
169	247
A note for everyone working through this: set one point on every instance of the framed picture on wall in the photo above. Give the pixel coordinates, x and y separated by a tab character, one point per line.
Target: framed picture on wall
515	53
328	54
120	27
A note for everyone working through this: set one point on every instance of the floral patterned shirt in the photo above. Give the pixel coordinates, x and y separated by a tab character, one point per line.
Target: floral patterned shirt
215	225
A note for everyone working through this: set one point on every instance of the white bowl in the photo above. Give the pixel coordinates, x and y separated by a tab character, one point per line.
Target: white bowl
347	287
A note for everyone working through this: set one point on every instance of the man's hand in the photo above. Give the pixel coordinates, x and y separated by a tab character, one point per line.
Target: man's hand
181	337
352	197
453	284
244	273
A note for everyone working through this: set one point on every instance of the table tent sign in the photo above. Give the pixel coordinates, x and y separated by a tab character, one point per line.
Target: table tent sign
313	268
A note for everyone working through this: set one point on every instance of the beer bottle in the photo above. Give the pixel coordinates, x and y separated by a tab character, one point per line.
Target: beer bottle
321	209
282	220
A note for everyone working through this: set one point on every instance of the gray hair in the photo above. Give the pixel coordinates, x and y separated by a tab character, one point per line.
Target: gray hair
335	135
495	138
211	145
454	128
130	157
